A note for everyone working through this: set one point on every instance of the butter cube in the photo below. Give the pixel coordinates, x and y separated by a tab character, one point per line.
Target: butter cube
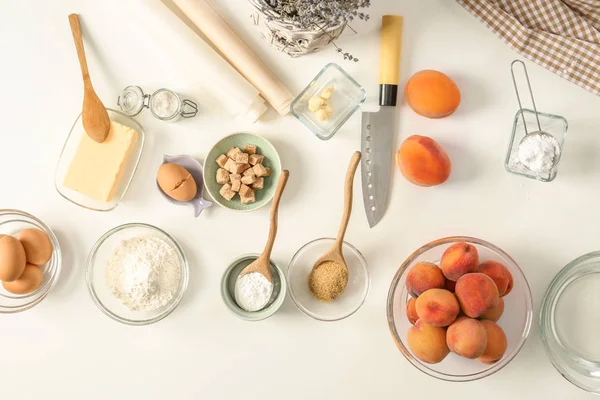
96	168
222	176
256	159
226	192
250	149
222	160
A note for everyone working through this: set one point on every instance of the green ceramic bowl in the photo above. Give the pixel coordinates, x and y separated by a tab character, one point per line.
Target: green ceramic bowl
271	161
228	289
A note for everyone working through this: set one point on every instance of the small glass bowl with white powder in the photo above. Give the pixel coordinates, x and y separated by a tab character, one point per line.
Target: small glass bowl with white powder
228	290
555	125
137	274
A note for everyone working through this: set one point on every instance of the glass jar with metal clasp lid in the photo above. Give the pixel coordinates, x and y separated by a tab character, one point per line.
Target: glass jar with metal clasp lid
164	104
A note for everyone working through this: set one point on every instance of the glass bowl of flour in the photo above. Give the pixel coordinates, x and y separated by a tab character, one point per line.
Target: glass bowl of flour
137	274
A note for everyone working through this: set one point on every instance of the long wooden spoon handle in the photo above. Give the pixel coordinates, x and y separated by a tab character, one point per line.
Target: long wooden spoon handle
348	185
274	212
76	31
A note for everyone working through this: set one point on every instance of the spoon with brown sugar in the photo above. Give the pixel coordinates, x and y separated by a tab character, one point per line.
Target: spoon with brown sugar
94	115
262	264
329	275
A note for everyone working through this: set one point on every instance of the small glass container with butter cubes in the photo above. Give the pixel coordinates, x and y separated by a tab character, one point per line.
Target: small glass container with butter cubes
328	101
95	175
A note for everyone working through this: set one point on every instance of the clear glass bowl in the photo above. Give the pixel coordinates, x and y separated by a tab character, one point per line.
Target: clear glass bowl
348	302
95	275
11	223
516	321
569	322
70	147
555	125
347	97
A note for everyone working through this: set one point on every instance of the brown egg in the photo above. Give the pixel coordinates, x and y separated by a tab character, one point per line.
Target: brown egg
12	258
32	278
176	182
36	243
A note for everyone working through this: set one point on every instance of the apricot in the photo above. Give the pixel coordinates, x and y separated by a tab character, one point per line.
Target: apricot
411	311
496	343
424	276
466	337
495	313
477	294
499	274
437	307
432	94
423	161
427	343
459	259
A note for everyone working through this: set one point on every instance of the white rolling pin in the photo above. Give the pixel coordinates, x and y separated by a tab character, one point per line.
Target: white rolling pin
220	34
189	53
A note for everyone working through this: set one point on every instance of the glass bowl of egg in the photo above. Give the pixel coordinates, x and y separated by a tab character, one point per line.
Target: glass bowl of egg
30	261
95	175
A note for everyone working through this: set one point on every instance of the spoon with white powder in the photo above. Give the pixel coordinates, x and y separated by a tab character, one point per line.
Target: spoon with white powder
254	285
538	151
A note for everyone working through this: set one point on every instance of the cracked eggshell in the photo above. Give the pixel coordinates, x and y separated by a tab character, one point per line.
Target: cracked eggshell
176	182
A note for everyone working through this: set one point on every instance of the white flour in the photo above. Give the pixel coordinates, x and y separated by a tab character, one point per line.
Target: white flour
144	273
253	291
538	152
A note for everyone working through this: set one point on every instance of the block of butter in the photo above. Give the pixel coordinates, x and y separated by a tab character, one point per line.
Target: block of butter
96	168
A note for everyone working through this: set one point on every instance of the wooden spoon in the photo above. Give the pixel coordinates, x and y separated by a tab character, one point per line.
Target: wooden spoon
262	264
94	116
335	253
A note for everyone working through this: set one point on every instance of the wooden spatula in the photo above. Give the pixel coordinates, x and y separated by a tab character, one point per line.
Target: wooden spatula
262	264
94	116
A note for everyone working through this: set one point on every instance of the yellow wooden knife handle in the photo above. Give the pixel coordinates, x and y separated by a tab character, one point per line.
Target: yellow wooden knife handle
391	48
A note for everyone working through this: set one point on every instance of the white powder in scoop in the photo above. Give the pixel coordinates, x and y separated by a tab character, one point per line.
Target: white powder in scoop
253	291
539	152
144	273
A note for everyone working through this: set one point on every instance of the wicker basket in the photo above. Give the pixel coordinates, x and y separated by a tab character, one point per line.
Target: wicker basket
284	36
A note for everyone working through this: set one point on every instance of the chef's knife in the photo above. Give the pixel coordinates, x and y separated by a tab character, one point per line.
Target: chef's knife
377	128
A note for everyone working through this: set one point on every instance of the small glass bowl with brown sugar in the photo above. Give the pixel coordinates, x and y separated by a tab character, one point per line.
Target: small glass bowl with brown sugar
348	302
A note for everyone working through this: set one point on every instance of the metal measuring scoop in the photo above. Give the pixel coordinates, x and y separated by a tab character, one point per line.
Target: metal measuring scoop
547	138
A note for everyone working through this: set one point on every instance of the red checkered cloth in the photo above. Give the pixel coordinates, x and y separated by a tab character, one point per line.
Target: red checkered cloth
563	36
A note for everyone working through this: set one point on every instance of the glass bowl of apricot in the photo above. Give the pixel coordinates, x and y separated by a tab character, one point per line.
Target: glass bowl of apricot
459	309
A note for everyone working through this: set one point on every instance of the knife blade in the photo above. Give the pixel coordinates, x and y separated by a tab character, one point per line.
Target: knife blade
377	128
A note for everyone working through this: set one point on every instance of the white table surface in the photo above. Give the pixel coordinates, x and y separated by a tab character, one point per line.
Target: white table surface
66	348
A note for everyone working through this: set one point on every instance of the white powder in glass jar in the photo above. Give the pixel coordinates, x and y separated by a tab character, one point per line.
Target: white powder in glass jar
165	104
539	152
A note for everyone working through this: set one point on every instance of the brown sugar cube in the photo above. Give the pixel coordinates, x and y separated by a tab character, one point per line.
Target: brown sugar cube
222	176
236	186
248	180
250	149
245	168
256	159
258	184
249	198
244	190
259	170
230	166
233	152
235	178
239	168
241	158
249	172
268	171
222	160
226	192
